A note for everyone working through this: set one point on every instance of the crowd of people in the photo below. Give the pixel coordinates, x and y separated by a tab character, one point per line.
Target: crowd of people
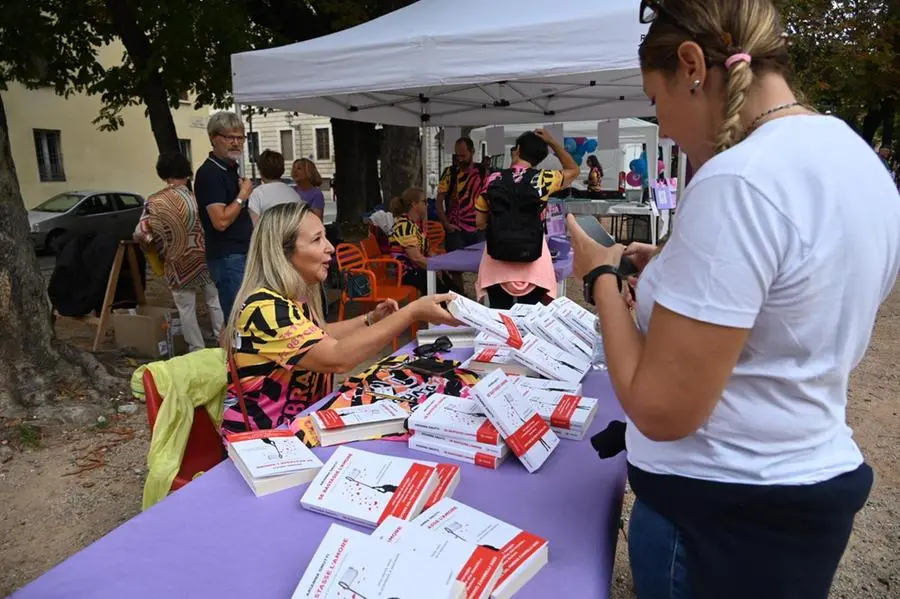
733	366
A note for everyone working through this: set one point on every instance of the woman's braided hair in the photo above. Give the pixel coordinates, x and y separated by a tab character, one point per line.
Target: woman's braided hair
722	28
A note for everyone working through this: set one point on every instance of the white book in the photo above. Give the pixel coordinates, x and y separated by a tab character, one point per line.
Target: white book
526	433
551	329
456	418
448	480
527	382
355	423
272	460
349	564
365	488
477	567
483	340
551	361
496	357
570	434
524	553
493	322
580	320
455	450
563	410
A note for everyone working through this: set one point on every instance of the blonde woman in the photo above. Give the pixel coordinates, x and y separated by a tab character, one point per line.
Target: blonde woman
281	345
750	319
307	181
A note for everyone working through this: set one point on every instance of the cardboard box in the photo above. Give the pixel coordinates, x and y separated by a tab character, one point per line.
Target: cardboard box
149	331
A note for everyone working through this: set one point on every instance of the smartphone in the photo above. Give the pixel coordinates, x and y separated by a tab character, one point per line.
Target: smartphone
595	231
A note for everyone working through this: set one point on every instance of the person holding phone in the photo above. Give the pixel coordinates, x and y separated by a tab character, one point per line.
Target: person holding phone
277	336
749	320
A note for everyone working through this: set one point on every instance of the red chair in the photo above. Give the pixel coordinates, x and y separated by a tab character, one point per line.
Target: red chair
370	248
204	445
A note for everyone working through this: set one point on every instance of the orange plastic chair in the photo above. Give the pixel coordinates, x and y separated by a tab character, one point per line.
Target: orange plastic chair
204	445
370	248
435	234
384	276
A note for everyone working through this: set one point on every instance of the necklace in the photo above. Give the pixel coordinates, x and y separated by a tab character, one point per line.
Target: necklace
758	120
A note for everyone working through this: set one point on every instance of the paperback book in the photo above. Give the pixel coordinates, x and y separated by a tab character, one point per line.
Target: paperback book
570	416
477	567
457	450
551	361
455	418
355	423
493	322
272	460
523	553
351	565
526	433
365	488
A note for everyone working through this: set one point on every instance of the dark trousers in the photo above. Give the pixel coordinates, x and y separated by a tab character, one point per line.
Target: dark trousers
500	300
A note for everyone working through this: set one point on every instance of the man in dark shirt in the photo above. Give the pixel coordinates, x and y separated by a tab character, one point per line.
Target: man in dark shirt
222	198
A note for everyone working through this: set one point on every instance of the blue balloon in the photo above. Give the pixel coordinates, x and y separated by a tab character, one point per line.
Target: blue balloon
578	157
635	166
570	144
590	145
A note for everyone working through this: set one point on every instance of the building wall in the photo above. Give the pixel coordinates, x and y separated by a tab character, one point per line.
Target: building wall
268	128
92	159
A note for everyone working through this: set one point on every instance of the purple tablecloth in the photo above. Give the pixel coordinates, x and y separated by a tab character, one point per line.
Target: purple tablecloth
214	539
468	259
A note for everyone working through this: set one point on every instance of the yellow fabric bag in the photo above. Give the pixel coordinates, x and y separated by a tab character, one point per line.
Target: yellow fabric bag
185	383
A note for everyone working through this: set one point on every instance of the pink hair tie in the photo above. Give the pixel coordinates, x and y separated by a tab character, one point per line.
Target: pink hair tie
736	58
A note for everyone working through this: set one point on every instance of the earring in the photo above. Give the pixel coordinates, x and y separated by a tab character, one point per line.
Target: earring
695	86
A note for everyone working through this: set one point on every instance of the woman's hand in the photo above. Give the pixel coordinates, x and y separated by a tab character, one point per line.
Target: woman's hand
588	253
640	254
429	309
384	309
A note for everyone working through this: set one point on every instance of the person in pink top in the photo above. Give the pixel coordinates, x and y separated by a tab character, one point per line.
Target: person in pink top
508	283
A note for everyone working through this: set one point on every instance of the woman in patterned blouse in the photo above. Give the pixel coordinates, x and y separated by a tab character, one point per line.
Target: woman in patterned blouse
170	224
281	345
408	244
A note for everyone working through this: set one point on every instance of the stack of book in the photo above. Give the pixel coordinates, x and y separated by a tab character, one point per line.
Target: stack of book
456	428
356	423
365	488
450	551
568	414
272	460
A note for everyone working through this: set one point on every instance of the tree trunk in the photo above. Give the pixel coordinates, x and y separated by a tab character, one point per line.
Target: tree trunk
153	90
355	169
401	160
888	111
871	122
36	369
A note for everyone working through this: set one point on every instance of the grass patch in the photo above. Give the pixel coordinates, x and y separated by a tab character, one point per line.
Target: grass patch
29	436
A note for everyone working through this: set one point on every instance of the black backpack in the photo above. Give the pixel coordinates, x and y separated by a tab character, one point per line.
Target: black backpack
515	231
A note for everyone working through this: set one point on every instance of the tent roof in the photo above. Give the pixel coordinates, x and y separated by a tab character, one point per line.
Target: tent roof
464	62
630	130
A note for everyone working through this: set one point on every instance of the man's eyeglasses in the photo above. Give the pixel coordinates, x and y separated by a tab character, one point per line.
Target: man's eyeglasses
233	138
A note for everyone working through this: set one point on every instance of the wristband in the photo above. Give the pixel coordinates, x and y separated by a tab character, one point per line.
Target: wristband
591	277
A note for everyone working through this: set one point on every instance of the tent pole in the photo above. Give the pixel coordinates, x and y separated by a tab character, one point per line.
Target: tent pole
238	111
423	144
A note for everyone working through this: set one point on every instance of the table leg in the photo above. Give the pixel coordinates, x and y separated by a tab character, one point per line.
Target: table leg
561	288
431	285
653	226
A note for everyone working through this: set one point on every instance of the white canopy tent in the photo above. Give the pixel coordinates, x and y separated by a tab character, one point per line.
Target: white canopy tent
462	63
465	62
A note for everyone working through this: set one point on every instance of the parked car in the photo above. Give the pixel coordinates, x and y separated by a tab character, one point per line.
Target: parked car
112	212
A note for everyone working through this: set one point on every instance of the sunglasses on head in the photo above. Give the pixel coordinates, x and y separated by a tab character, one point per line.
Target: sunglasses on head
440	345
652	9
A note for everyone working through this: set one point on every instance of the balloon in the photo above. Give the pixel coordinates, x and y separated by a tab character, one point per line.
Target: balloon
635	166
590	145
634	179
578	156
570	144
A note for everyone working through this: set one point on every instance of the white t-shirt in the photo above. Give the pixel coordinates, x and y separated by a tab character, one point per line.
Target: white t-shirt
794	234
271	194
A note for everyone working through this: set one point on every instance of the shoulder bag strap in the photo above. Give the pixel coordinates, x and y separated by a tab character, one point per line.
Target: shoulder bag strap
236	382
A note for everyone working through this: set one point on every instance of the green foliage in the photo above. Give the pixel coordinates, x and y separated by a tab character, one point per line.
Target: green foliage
189	43
846	54
29	436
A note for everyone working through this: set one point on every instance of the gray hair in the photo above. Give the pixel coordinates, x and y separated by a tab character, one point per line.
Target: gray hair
223	121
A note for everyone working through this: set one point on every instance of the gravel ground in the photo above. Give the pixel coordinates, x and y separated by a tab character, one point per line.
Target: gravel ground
51	512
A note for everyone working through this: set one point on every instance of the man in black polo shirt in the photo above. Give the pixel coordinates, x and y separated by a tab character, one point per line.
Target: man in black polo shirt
222	198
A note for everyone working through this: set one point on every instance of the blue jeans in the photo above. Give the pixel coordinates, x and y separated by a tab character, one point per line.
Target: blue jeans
657	555
227	273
